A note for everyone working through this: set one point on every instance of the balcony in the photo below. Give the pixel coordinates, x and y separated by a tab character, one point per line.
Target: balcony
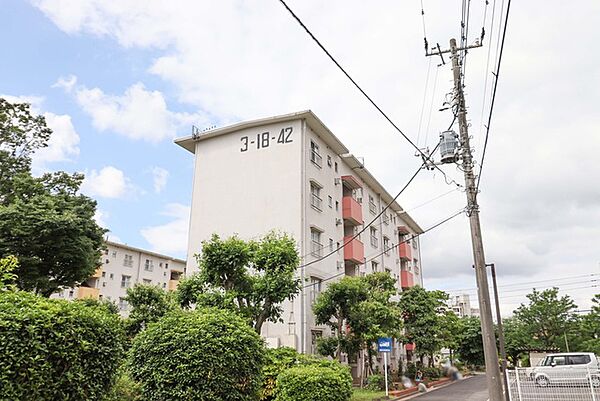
88	292
406	279
173	285
352	211
405	251
354	250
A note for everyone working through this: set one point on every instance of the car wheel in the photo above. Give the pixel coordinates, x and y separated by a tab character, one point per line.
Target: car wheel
595	381
542	381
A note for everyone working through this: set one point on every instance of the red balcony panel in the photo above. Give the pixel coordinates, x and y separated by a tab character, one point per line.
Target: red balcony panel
405	251
409	347
351	182
352	210
406	279
354	250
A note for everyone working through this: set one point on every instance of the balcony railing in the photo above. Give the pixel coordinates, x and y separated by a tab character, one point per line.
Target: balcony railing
173	285
316	249
405	251
406	279
352	210
374	242
354	250
372	208
88	292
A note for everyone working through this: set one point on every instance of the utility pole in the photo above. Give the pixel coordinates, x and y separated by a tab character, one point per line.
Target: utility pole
494	381
500	329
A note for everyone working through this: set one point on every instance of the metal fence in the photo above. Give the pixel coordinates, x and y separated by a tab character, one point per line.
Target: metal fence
558	383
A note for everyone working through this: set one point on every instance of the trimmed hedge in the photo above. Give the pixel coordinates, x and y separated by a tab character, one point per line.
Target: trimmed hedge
322	381
56	350
206	354
277	360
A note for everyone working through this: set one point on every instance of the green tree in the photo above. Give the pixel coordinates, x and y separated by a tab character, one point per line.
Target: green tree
252	277
52	232
516	339
470	342
451	330
547	317
590	328
44	223
422	312
148	304
7	277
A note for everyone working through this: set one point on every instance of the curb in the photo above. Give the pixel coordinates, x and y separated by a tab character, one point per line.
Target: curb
412	392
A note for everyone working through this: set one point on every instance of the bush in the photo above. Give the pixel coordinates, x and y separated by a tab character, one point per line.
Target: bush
56	350
206	354
277	360
432	373
323	381
124	389
376	382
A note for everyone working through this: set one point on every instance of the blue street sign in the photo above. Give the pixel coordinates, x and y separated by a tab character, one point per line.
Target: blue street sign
384	344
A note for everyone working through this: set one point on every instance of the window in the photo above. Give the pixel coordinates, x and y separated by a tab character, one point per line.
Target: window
374	266
335	167
315	157
386	245
331	248
114	254
165	274
103	274
149	265
414	243
164	285
337	206
71	293
329	160
559	360
315	196
372	206
386	219
147	281
128	261
125	281
316	246
578	359
166	265
330	199
315	288
106	251
416	266
123	305
374	239
104	284
112	276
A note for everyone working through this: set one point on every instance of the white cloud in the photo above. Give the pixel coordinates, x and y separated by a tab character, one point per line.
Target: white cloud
64	141
109	182
138	113
170	237
100	216
160	177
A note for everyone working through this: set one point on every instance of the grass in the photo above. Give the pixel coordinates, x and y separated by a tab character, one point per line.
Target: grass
366	395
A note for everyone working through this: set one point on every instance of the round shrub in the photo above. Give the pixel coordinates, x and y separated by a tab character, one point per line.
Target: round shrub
56	350
376	382
314	382
277	360
206	354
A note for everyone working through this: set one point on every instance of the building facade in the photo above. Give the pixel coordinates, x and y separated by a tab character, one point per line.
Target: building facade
291	173
461	306
123	266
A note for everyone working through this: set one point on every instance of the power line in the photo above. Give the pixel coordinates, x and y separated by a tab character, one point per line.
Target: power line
360	89
424	98
528	290
487	67
526	282
497	74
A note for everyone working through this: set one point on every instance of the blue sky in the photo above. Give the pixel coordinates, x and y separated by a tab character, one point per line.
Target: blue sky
119	80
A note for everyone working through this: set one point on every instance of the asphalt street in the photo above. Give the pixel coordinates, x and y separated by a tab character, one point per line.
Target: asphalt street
469	389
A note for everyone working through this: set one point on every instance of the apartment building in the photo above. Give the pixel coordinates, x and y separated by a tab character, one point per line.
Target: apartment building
123	266
291	173
461	306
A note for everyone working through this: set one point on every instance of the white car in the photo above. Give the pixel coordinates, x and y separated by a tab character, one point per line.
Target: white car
567	368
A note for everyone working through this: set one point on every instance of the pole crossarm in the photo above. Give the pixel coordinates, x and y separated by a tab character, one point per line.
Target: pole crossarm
439	52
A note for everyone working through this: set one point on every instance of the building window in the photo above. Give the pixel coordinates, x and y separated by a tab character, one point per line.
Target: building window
386	245
123	305
128	261
374	239
149	265
337	206
315	288
330	201
166	265
315	157
104	284
114	254
386	219
315	196
164	285
147	281
103	274
71	293
374	266
316	246
315	335
416	266
335	167
329	160
112	276
125	281
414	243
331	248
372	205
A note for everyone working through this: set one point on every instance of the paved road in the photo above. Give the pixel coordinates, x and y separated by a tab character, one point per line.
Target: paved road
470	389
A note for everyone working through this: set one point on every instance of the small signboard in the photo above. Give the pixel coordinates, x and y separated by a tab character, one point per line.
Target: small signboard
384	344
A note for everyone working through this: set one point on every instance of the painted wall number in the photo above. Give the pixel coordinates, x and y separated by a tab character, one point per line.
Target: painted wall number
263	140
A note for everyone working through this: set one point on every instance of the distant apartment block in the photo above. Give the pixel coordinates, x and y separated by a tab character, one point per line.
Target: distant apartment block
461	306
123	266
291	173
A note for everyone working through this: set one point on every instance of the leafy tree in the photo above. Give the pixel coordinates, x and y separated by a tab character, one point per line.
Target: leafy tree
148	304
7	277
589	328
451	329
43	221
104	304
515	339
252	277
470	342
422	311
21	134
52	232
547	317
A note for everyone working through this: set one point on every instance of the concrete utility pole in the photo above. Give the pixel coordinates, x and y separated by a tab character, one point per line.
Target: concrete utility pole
500	329
494	381
493	377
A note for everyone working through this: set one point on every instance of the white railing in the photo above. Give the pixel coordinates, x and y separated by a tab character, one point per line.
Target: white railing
316	249
558	383
316	201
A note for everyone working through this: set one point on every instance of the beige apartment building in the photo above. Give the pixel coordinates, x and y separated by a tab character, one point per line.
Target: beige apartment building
291	173
123	266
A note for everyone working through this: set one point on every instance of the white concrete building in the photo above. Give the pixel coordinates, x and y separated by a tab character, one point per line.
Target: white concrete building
291	173
461	306
123	266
